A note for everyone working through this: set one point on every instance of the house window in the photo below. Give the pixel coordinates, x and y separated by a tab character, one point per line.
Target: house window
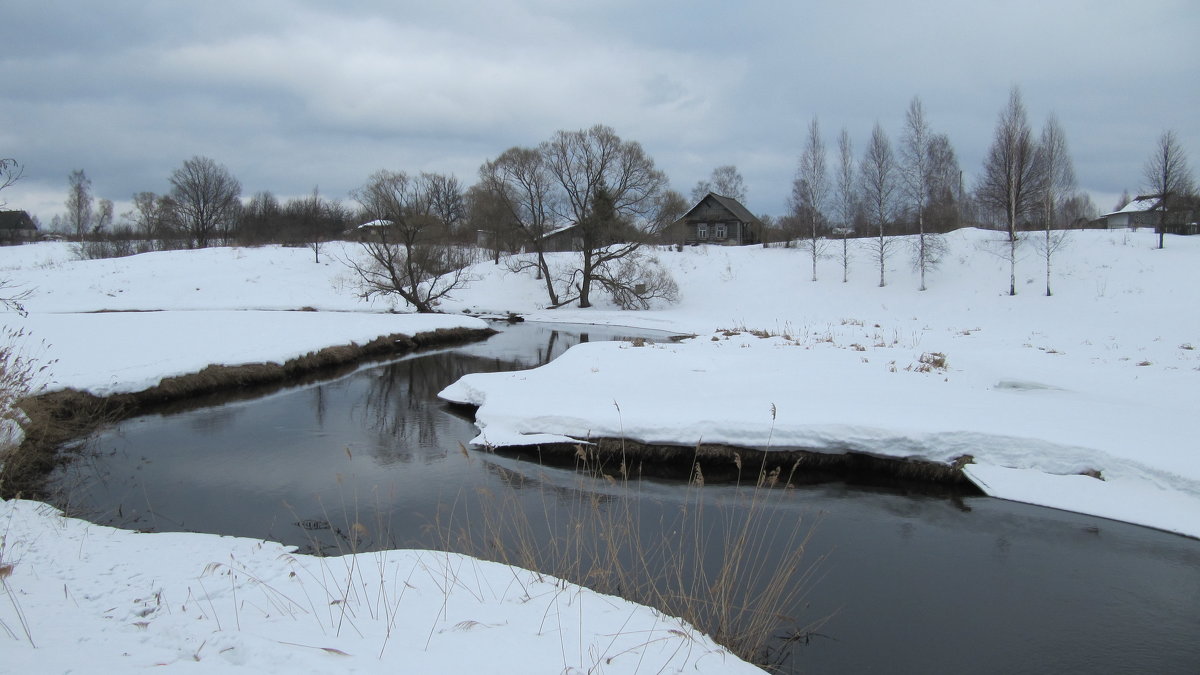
720	227
702	231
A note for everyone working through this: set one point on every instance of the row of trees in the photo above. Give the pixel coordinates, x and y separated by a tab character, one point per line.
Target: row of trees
916	187
613	200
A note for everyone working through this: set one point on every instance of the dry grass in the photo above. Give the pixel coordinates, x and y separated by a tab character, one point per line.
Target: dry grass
734	567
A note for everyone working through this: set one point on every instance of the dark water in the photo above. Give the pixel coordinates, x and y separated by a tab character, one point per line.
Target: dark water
911	582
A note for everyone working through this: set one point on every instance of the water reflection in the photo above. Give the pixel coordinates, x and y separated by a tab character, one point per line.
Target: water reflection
914	582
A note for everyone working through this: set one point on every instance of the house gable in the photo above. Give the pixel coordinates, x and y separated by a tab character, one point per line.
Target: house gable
16	226
717	219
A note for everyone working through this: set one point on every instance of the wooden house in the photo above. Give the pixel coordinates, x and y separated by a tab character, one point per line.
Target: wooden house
16	227
717	219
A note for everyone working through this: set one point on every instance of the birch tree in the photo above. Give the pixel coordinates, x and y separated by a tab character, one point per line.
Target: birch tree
1057	174
847	196
1009	183
916	173
877	180
725	180
810	191
79	204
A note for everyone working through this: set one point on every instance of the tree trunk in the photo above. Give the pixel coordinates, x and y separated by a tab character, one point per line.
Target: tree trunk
1012	265
544	272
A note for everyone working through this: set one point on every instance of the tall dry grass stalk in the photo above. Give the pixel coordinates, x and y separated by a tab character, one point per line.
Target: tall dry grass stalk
17	375
725	558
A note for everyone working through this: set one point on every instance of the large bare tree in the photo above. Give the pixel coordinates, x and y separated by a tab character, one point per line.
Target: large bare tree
1167	176
595	167
878	181
810	190
206	198
406	251
1010	183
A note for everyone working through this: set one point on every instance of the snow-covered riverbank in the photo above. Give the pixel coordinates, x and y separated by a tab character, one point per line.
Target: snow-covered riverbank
1103	376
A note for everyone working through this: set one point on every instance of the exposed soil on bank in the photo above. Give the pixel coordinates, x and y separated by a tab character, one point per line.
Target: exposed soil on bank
57	418
716	463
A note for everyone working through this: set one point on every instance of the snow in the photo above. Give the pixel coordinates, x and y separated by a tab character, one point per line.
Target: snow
1138	206
89	598
1101	377
83	597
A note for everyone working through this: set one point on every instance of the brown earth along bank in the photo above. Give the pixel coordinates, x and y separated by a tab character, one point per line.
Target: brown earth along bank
720	464
59	417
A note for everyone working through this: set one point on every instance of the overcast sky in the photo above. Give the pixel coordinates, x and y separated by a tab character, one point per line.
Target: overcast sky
292	95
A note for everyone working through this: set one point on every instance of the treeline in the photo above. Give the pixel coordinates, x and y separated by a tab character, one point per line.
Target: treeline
912	185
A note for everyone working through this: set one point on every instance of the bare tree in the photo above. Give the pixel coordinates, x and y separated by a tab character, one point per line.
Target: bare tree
79	204
1168	177
943	205
152	217
810	191
488	217
104	216
406	253
727	181
10	172
1009	183
206	200
595	165
1123	200
1057	175
521	181
445	198
917	180
10	296
847	196
877	177
308	216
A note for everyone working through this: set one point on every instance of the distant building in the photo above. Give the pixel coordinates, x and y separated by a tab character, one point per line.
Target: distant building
1144	210
717	219
17	227
1141	212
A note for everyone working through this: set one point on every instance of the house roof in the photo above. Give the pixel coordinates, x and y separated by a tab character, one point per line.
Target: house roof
16	220
556	230
730	204
1140	204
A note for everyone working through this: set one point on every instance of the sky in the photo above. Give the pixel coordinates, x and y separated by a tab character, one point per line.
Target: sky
295	95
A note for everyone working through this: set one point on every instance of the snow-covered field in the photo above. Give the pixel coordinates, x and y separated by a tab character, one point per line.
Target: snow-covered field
1103	376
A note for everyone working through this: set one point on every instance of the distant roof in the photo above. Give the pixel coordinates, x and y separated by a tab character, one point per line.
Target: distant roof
1140	204
556	230
16	220
375	223
732	205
